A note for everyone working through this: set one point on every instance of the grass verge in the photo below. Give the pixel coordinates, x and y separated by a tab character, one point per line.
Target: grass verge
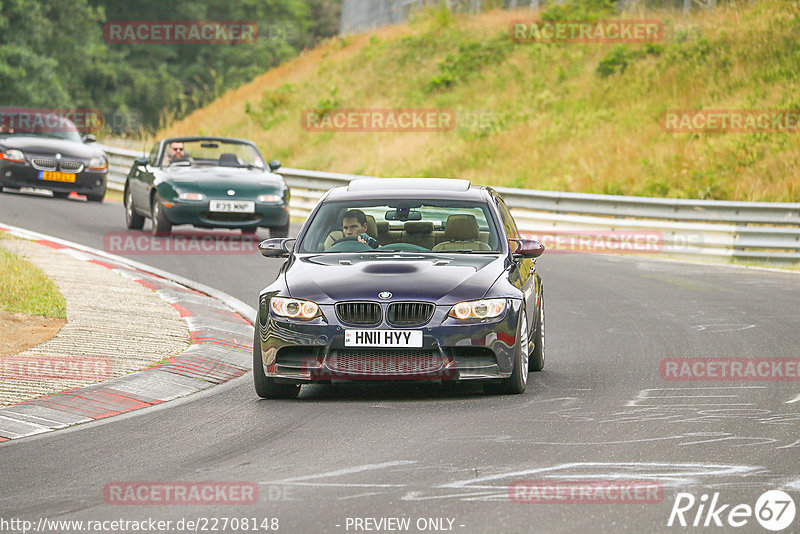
25	289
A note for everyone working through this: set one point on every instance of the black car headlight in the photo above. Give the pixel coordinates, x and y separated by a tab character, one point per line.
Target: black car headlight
478	309
12	155
294	308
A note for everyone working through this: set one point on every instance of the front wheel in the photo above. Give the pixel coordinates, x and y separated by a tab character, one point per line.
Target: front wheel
266	388
516	383
133	220
60	194
161	225
537	358
96	198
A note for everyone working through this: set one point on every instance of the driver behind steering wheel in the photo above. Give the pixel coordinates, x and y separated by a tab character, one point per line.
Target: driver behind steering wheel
354	224
175	152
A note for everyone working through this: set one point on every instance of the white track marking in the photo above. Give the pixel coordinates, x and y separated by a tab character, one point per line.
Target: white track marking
345	471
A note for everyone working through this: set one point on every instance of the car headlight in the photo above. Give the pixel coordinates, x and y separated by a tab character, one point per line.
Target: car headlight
12	155
269	198
192	196
478	309
99	163
294	308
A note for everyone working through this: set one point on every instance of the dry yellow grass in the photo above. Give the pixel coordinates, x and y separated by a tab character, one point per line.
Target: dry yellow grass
556	124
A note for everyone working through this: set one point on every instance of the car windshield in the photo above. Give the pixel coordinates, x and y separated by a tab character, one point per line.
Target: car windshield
211	153
446	226
23	122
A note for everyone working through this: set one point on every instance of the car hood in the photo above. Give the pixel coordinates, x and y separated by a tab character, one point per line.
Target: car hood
50	145
212	180
439	278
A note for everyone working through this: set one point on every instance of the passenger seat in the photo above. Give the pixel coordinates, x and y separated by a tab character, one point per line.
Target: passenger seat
461	232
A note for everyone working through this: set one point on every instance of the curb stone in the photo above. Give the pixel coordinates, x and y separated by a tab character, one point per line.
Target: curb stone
220	350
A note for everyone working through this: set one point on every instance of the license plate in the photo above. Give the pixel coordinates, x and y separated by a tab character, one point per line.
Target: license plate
56	176
383	338
233	206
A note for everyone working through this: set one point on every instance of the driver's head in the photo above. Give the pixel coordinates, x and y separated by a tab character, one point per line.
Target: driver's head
176	150
354	223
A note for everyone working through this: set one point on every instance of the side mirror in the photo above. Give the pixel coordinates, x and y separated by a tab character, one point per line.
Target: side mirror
141	162
89	138
525	248
274	165
278	247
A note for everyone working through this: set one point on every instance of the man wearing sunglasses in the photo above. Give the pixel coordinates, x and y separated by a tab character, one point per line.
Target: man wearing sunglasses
175	152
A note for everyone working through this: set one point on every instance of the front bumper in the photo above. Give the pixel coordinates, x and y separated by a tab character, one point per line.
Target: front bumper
86	182
198	214
314	351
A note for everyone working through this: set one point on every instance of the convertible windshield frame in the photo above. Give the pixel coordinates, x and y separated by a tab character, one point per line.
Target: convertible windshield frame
195	157
325	225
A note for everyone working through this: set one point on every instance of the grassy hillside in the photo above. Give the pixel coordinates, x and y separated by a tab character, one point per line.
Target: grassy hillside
570	117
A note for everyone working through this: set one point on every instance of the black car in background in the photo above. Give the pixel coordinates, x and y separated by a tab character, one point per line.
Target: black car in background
45	151
402	279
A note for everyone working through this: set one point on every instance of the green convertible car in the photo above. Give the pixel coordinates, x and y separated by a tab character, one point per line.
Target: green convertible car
208	182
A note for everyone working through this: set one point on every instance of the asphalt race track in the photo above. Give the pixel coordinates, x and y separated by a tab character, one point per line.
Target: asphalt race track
600	411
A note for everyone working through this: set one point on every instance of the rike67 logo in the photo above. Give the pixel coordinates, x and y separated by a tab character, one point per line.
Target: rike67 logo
774	510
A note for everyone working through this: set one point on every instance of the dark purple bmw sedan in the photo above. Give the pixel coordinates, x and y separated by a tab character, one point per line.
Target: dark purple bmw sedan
402	279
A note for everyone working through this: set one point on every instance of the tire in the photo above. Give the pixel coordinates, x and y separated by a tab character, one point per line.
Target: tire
266	388
516	383
536	361
60	194
279	231
250	230
133	220
161	225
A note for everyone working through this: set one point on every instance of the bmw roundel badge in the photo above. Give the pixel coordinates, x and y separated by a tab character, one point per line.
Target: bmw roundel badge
385	295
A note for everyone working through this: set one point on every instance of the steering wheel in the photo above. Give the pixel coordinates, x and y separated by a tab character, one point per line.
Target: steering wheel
344	239
348	244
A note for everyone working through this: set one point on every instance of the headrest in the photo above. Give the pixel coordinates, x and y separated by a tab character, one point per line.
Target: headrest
383	227
228	160
461	228
372	226
418	227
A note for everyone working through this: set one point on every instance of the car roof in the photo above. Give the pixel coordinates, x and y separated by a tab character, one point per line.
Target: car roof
433	188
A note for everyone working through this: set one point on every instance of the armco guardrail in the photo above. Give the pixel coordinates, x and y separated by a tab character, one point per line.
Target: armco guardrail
755	231
119	163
